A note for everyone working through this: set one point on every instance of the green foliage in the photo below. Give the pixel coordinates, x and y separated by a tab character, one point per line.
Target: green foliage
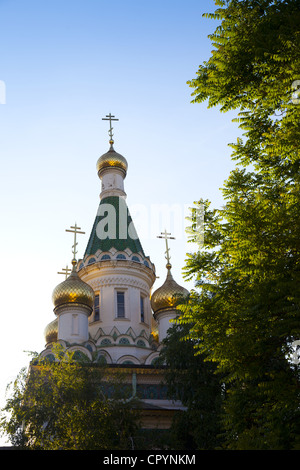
253	68
63	405
246	315
192	381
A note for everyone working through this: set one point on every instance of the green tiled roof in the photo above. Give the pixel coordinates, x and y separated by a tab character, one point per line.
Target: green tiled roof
113	228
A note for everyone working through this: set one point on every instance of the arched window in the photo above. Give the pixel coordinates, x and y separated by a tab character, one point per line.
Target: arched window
120	304
105	342
80	356
142	309
124	341
97	308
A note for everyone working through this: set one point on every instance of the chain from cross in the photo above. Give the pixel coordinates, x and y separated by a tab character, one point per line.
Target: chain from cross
167	237
75	230
109	117
66	271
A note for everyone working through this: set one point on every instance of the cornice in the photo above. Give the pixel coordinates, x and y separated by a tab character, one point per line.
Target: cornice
118	281
66	308
111	272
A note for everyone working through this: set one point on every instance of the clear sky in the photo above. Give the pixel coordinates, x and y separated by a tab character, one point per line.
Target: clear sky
65	65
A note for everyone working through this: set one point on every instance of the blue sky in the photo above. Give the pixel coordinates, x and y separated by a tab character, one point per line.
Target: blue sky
65	65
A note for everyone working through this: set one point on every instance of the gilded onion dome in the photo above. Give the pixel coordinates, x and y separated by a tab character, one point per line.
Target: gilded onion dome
51	331
111	159
166	297
73	290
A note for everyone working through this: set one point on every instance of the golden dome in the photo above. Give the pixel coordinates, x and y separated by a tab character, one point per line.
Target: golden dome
111	159
51	331
73	290
166	297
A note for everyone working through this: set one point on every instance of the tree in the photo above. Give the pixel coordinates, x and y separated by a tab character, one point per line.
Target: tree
254	68
192	381
65	404
246	315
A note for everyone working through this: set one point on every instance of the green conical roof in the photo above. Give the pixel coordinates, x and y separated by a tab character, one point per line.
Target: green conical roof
113	228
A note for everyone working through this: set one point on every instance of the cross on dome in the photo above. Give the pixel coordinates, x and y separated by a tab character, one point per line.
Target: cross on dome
66	271
167	237
109	117
75	230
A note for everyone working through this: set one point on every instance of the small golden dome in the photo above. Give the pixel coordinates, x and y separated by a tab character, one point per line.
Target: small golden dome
111	159
51	331
73	290
166	297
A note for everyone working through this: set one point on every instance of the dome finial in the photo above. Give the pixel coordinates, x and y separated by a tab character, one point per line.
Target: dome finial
109	117
166	236
66	270
166	297
111	159
73	289
75	230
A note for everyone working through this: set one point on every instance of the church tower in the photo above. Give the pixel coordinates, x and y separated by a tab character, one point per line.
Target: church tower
165	299
73	303
115	266
112	317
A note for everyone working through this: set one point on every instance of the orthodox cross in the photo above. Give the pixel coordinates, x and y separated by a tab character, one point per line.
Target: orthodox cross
109	117
74	230
66	271
166	236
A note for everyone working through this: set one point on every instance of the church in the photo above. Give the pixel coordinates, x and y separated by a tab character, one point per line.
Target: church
105	309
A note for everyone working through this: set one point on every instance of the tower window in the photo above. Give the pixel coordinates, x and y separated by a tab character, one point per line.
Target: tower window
142	309
96	308
121	304
75	327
